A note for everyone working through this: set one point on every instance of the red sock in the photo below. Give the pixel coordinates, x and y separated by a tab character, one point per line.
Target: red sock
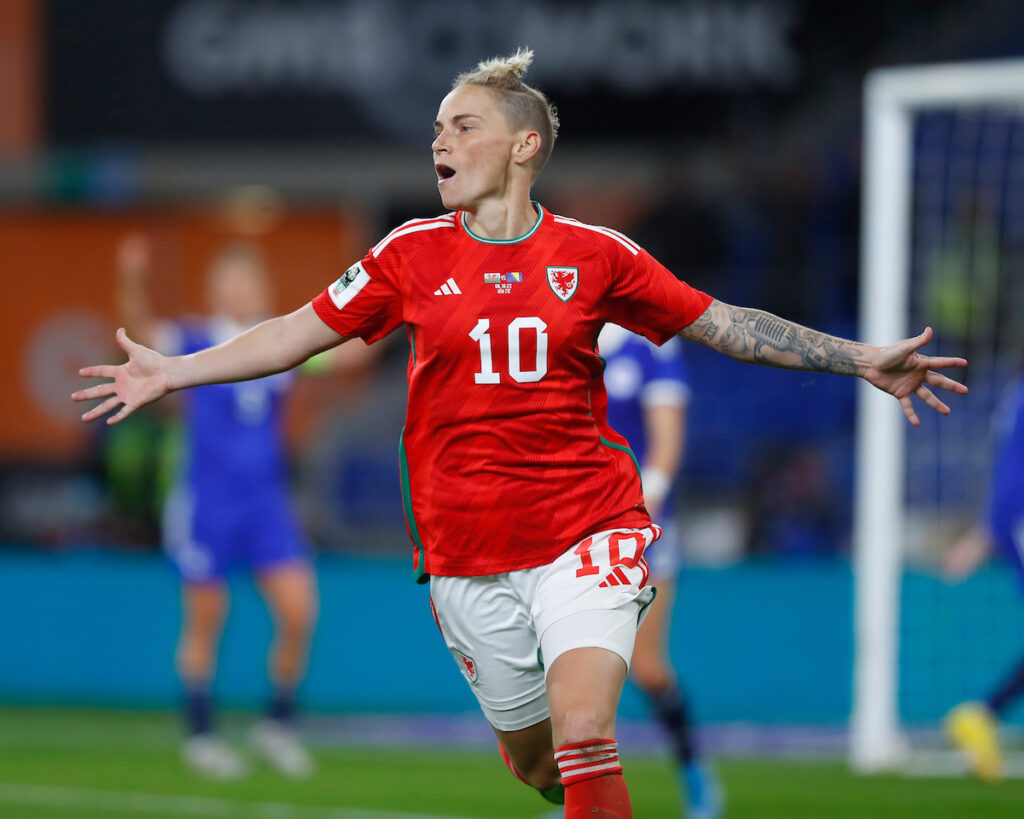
509	764
594	785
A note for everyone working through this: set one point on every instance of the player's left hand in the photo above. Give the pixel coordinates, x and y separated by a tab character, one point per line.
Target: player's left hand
902	371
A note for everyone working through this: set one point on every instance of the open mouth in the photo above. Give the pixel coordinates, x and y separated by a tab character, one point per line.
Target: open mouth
444	172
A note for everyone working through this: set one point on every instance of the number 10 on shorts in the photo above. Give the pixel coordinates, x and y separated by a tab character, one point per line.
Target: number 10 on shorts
625	551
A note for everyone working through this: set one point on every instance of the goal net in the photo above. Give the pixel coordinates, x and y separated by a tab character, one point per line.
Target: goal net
943	246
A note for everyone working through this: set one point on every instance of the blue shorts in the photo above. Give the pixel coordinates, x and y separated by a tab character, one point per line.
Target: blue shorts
207	534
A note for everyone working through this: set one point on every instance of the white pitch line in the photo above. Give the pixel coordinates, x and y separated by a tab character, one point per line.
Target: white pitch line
58	796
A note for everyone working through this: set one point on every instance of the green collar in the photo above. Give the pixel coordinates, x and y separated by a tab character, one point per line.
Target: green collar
527	235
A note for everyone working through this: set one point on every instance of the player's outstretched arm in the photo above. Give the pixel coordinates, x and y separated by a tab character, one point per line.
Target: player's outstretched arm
270	347
762	338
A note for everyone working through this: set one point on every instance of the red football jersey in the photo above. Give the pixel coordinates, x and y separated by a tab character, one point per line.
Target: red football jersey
506	456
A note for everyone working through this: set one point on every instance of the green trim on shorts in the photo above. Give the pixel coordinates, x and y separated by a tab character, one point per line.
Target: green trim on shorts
645	606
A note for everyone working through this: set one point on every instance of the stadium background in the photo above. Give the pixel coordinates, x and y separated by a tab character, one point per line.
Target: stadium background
725	137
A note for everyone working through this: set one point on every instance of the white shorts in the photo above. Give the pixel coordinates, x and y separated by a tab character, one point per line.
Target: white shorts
505	630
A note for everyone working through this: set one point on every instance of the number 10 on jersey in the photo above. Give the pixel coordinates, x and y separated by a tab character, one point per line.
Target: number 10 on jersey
482	336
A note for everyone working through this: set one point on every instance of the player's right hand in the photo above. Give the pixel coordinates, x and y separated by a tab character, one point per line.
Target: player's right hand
139	381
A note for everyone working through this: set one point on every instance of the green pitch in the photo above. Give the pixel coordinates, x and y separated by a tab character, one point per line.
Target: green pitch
75	764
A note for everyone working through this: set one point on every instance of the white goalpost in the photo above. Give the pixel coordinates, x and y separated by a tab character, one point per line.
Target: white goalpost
906	223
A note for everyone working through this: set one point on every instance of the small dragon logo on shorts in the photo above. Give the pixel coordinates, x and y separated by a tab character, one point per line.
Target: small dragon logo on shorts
468	666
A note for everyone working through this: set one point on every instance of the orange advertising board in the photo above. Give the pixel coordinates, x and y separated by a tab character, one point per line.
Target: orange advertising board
59	307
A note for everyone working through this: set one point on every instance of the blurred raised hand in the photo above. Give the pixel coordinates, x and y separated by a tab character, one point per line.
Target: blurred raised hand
966	554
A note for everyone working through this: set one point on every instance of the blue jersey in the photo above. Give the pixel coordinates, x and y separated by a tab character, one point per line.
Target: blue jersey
1005	508
234	432
638	375
230	506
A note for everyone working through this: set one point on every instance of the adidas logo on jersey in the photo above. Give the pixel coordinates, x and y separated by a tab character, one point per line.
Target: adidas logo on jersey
449	288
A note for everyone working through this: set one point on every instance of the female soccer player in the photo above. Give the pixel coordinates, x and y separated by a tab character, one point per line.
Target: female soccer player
230	509
524	506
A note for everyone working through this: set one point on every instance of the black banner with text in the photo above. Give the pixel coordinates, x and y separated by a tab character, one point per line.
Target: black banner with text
319	70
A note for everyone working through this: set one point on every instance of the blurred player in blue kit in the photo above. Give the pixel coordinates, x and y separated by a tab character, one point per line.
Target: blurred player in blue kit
973	726
230	508
648	393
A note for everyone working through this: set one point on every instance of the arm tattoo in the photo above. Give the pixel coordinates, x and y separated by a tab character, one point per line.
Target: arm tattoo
711	331
762	338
